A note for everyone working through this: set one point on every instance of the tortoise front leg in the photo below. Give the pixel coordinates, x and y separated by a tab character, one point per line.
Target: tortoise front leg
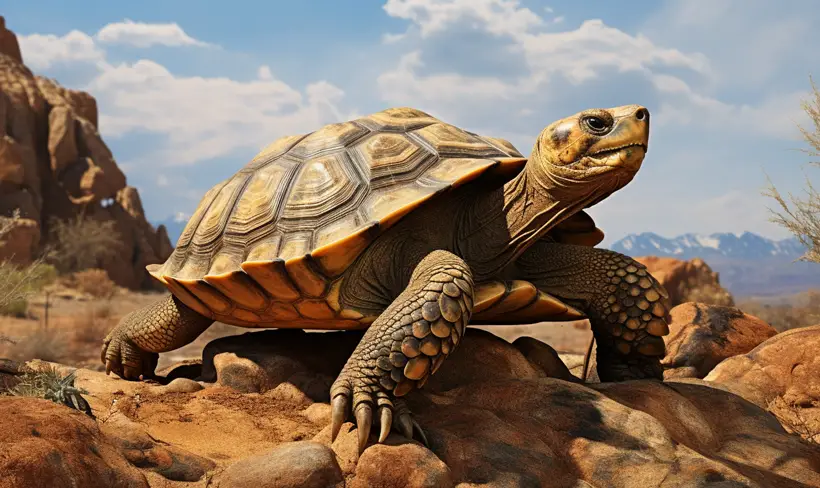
132	348
404	346
623	302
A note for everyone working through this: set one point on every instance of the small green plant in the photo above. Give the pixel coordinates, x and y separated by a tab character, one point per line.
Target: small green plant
81	243
49	384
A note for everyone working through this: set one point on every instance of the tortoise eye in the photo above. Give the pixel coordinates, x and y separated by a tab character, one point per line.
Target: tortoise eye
595	124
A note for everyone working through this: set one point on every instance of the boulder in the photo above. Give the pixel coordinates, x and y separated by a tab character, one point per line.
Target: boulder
787	365
45	444
701	336
292	465
687	281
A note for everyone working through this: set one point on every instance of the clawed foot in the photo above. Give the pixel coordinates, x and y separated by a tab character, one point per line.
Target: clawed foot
126	360
391	412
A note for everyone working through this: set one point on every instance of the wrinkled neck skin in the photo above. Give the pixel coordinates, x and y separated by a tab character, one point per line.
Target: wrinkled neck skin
498	226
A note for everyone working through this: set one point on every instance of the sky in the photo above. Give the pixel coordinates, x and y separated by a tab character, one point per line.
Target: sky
189	91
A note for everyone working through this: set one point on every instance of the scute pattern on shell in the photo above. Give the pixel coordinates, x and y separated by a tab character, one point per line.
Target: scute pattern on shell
266	244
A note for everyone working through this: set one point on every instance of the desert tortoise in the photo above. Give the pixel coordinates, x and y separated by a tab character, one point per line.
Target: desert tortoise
412	228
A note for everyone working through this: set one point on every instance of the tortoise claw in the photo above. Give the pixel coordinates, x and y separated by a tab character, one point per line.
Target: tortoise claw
386	414
339	414
364	420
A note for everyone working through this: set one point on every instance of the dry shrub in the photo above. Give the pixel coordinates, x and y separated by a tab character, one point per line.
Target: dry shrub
17	282
82	243
802	216
94	282
710	295
802	311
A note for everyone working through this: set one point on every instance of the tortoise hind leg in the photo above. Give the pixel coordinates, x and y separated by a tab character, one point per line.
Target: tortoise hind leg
404	346
623	302
132	348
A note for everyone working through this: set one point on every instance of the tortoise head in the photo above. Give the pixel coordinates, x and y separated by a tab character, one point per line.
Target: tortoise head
592	152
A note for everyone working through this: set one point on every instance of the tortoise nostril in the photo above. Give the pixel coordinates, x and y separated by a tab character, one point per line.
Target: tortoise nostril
642	114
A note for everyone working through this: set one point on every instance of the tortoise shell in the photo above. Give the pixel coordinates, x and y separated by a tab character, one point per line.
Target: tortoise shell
268	244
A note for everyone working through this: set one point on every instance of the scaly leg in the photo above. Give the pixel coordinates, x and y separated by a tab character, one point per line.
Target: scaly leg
404	346
623	302
132	348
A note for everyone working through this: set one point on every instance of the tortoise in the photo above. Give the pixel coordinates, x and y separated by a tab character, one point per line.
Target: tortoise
411	228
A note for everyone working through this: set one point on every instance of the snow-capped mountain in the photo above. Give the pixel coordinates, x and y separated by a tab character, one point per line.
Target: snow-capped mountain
748	264
728	245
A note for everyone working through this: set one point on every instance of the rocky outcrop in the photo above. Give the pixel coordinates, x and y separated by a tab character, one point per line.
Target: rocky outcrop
493	416
687	281
45	444
54	164
701	336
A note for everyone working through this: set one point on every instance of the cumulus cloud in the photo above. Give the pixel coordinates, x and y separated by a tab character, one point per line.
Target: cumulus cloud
499	17
42	52
141	34
203	118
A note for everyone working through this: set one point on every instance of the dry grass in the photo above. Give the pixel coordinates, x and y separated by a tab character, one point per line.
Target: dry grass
802	215
802	311
82	243
17	283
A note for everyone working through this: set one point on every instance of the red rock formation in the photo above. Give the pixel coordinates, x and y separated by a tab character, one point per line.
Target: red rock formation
688	281
54	164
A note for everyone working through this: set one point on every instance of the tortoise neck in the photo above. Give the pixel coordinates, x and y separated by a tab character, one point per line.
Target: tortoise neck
501	224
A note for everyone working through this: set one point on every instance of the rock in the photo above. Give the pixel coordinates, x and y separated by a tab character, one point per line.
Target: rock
544	358
144	451
406	465
45	444
687	281
12	169
493	419
62	143
787	365
8	42
54	164
701	336
293	465
19	245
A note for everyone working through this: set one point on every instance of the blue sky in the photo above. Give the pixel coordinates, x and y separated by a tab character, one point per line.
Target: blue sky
189	91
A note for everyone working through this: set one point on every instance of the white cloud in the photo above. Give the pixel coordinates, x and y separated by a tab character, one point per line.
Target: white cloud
264	73
41	52
162	180
140	34
390	38
204	118
499	17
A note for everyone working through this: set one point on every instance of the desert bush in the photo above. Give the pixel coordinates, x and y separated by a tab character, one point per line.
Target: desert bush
49	384
802	215
94	282
82	243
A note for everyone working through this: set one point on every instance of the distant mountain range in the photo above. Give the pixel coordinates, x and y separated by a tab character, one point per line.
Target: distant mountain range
727	245
749	265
